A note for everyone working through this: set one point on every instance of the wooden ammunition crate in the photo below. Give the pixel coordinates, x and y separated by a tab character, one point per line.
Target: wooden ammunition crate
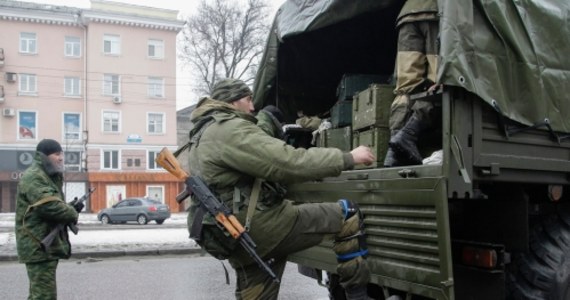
377	139
371	107
340	138
351	84
341	114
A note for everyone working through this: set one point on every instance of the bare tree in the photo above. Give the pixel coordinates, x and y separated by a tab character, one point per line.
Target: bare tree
224	39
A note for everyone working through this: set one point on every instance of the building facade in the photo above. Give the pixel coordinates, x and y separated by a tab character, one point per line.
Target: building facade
102	81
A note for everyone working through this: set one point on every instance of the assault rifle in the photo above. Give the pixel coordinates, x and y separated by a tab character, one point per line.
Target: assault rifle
225	220
48	240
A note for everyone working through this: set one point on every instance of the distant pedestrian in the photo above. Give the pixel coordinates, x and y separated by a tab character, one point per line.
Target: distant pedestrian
40	207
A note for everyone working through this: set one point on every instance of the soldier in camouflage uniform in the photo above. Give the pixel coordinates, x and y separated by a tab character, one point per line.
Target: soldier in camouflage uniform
416	68
40	208
229	151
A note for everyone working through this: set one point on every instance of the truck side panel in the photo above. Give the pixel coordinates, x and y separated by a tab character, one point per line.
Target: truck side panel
406	226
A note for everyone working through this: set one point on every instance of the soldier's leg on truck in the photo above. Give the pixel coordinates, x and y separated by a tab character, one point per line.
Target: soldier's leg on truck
254	283
399	114
306	233
404	142
416	69
350	248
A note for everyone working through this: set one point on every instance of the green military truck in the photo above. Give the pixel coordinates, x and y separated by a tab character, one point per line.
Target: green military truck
492	220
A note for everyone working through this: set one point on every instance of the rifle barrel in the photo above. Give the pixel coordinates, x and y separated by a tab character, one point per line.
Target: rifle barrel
263	265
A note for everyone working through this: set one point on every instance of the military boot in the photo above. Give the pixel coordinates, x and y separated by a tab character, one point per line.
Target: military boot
357	293
392	159
404	142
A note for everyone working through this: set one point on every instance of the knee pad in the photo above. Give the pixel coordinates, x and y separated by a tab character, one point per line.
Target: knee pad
353	273
350	242
349	208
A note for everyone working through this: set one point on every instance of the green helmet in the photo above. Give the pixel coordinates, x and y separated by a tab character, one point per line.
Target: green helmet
230	89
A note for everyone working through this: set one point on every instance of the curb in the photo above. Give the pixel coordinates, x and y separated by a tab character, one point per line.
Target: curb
118	253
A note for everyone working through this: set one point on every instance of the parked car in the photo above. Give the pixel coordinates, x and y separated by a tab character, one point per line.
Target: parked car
141	210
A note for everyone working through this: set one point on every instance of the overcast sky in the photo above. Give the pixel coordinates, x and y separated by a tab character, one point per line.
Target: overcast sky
184	94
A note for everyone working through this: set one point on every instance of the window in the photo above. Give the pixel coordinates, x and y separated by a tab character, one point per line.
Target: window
155	123
111	85
71	86
72	126
72	161
155	49
155	192
28	43
111	44
28	84
27	125
72	46
111	121
151	163
155	87
110	160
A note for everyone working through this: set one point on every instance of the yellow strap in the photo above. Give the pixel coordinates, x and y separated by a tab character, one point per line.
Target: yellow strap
255	191
42	201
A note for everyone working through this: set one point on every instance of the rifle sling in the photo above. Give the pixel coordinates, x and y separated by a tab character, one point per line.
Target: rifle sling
251	206
30	207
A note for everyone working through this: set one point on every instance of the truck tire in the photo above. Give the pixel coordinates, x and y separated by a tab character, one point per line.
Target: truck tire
543	272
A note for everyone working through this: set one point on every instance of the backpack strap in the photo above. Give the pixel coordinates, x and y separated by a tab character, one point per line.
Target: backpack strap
196	133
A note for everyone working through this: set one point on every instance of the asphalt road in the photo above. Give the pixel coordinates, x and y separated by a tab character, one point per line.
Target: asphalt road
141	278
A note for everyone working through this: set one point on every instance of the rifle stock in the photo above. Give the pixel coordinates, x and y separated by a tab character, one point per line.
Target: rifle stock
223	215
46	242
166	159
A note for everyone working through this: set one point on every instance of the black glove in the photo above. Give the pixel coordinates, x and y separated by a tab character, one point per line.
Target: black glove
78	206
275	112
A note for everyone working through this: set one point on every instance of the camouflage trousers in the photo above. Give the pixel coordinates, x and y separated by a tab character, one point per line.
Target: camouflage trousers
253	283
416	70
42	280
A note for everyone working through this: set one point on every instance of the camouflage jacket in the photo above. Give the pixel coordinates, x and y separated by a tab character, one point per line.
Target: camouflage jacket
33	226
269	124
418	10
233	151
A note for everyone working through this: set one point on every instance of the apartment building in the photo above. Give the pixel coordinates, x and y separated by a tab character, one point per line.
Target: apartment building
102	81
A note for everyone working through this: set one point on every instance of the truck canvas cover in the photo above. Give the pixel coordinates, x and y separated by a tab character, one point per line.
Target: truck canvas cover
514	54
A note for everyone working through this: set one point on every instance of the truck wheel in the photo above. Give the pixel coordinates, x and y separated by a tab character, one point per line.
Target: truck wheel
544	272
336	291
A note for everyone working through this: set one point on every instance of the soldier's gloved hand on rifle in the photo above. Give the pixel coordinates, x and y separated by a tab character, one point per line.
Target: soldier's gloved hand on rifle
77	205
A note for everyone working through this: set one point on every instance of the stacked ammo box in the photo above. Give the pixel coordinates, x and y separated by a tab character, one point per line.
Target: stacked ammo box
370	120
354	123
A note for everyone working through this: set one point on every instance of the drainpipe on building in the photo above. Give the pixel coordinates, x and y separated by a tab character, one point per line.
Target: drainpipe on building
85	132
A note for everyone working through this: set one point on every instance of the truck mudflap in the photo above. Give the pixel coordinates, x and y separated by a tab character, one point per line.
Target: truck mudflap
406	222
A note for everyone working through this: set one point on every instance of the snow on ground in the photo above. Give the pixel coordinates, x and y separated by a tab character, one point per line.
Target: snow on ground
130	236
8	219
112	237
